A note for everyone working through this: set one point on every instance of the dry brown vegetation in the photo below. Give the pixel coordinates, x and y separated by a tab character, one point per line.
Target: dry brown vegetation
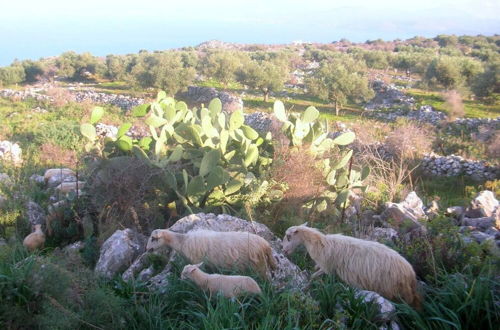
494	146
392	154
123	193
60	96
56	155
409	140
297	168
454	104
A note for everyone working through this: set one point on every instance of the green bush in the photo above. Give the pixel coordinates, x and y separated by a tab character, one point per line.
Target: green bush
442	249
62	133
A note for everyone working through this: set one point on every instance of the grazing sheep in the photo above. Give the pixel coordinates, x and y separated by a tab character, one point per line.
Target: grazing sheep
66	187
229	250
363	264
57	171
35	240
229	286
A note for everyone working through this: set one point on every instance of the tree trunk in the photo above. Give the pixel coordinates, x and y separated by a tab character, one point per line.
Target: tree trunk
266	96
336	108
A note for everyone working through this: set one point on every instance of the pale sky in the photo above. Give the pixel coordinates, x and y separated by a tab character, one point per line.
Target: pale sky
32	29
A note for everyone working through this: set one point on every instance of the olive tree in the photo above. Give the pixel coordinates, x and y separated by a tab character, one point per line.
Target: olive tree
221	66
265	76
444	71
488	82
10	75
162	70
340	80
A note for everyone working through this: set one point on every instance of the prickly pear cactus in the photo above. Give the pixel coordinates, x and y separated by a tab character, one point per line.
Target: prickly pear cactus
219	155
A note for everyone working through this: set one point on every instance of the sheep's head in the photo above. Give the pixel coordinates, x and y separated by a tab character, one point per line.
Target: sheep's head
157	239
292	240
188	269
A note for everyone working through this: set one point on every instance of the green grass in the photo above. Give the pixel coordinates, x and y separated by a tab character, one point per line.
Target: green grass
452	191
458	301
254	103
68	295
232	86
473	108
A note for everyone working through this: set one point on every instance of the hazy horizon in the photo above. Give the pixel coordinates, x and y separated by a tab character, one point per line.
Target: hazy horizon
30	30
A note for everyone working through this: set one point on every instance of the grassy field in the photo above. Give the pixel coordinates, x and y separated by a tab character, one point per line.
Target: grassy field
473	108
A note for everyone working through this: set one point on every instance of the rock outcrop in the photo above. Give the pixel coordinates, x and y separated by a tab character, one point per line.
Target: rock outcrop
36	214
11	152
287	274
119	251
405	216
480	222
388	96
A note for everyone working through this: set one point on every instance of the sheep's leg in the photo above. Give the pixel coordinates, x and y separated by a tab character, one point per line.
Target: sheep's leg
317	274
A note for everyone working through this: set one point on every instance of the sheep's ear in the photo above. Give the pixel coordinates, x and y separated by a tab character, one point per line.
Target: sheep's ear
304	224
199	265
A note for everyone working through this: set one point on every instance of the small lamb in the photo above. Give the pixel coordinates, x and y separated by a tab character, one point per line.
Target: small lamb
230	286
35	240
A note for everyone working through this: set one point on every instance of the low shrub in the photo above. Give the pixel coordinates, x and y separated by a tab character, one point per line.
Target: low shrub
62	133
442	249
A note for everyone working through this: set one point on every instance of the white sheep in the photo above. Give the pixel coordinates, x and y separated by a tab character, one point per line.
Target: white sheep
363	264
57	171
67	187
227	250
230	286
35	240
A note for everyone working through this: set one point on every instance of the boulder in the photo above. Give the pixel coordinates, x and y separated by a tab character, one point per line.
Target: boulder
382	234
104	130
160	280
432	210
136	267
74	248
481	237
479	223
119	251
485	202
455	211
11	152
493	232
36	214
37	179
385	307
146	274
405	216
